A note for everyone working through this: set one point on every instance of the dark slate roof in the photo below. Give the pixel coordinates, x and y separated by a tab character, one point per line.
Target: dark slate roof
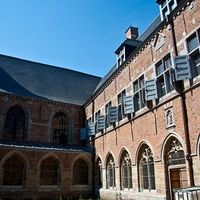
128	42
44	146
140	39
26	78
106	77
154	24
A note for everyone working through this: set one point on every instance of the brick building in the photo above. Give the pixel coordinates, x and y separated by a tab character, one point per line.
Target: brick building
133	134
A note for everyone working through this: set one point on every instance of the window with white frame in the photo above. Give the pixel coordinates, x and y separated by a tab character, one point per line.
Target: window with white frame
107	108
166	7
164	76
139	94
193	47
120	100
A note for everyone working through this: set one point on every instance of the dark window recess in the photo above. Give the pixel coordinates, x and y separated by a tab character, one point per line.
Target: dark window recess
80	173
50	172
60	126
139	94
14	124
120	100
14	171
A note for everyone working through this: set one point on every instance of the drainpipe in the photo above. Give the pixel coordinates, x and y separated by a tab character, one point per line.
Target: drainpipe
180	89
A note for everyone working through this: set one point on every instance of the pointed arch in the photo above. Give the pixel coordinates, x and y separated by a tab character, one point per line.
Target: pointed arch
98	172
175	163
14	170
50	171
80	172
125	170
110	171
146	168
61	127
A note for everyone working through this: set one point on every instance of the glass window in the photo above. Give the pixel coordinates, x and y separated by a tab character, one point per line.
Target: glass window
14	124
14	171
96	118
176	153
60	126
193	44
110	172
80	172
126	171
120	100
164	76
139	94
146	169
107	107
50	172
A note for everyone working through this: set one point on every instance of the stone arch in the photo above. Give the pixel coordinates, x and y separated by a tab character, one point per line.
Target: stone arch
6	108
173	156
145	165
81	165
125	169
23	168
70	123
43	171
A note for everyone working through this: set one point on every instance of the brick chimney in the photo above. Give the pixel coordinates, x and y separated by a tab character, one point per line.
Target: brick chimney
132	33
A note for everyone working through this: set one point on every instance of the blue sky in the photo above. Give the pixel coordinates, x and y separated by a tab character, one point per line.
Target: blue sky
77	34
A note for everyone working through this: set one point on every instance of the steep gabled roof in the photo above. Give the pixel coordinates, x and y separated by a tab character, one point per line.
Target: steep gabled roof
26	78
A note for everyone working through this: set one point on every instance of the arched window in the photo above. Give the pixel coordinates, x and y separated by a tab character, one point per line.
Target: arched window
80	172
175	155
146	169
60	126
50	172
126	171
14	124
98	173
14	171
110	172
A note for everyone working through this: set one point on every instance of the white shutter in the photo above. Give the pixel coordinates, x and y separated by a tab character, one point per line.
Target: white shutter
151	89
83	134
91	128
128	104
113	114
182	67
101	122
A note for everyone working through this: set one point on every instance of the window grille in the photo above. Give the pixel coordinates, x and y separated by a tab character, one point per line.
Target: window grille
139	94
110	172
15	124
147	171
126	171
60	126
50	172
193	43
120	100
80	172
14	171
164	76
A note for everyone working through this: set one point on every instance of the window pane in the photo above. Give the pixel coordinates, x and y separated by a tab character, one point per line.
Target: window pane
14	171
192	43
50	173
15	124
80	172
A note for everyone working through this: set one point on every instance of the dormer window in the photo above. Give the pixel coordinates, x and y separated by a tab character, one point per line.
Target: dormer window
121	57
166	7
